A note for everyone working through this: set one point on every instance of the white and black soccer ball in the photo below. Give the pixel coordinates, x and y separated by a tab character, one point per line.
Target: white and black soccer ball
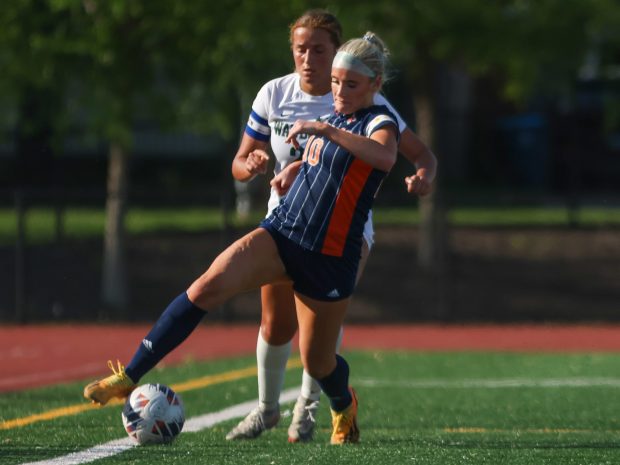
153	414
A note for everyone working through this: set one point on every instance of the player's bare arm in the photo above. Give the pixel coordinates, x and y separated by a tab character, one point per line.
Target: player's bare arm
414	150
379	150
251	159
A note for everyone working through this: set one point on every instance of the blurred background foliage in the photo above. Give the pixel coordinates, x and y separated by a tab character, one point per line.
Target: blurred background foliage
100	71
143	102
107	66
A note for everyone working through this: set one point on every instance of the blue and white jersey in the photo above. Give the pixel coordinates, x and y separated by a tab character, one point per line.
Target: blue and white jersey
277	106
328	204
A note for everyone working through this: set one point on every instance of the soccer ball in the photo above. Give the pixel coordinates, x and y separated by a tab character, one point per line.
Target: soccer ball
153	414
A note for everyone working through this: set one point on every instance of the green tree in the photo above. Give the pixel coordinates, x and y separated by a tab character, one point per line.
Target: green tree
33	59
114	63
197	65
528	46
131	64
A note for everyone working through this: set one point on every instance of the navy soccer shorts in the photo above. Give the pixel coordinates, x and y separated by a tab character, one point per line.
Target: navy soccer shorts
318	276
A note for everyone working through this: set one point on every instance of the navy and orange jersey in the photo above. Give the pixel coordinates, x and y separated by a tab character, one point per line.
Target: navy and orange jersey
326	207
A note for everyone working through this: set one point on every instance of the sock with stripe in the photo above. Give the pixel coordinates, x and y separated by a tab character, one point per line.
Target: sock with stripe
173	326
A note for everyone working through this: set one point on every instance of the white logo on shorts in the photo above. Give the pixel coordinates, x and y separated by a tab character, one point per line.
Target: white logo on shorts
333	293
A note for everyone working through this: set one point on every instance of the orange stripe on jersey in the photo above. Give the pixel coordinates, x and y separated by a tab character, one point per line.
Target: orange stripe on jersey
344	208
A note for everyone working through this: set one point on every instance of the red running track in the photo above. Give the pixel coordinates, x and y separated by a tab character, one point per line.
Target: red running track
32	356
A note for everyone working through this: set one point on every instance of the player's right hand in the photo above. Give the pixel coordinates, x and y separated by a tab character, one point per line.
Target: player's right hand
256	162
284	179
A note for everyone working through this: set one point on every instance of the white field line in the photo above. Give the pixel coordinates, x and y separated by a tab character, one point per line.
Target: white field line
490	383
208	420
192	425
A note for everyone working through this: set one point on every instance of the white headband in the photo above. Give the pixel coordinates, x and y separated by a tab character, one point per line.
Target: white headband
345	60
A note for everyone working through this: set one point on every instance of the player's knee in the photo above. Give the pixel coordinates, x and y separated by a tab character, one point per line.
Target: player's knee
278	327
207	293
276	334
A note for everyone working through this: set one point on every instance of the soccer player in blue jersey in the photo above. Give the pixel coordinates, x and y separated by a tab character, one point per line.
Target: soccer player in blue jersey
303	94
312	239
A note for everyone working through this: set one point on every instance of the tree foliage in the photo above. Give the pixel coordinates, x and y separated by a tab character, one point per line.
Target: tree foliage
533	45
101	67
116	61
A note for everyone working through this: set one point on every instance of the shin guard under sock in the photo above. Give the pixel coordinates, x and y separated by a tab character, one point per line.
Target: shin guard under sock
173	326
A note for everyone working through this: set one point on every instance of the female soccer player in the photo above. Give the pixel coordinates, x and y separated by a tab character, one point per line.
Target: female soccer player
304	94
312	239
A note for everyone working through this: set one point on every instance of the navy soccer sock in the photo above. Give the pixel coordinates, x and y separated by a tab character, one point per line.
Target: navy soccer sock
173	327
336	385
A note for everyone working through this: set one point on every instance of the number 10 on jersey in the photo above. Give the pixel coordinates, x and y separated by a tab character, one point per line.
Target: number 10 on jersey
312	153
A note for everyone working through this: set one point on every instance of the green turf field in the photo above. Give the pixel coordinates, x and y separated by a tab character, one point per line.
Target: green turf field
415	408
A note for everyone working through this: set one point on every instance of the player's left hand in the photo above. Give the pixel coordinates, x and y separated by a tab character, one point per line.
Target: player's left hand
302	127
419	184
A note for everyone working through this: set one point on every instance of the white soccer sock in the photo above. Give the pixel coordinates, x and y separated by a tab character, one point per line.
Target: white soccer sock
271	361
310	388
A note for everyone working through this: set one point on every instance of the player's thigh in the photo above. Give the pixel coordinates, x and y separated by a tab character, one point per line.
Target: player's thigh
319	326
248	263
278	317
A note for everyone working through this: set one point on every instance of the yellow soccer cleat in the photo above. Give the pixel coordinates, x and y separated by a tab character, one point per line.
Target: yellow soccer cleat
345	423
116	385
